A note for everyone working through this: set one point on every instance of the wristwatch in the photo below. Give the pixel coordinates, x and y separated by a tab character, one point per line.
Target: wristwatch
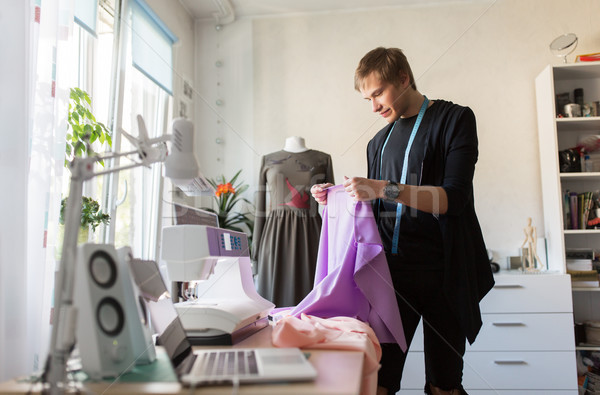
392	190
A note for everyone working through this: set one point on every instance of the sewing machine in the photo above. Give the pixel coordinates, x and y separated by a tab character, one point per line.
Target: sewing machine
222	305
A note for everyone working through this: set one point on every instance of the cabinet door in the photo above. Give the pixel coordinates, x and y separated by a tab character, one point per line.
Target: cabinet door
586	306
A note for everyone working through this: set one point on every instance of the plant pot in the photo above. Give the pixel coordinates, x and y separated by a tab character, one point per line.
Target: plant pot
82	237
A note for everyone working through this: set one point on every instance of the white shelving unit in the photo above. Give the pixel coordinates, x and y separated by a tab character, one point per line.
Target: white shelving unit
556	134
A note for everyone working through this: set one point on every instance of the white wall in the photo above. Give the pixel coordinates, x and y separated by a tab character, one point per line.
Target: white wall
484	54
224	72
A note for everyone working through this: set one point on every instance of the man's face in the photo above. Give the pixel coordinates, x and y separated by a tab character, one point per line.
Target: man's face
386	99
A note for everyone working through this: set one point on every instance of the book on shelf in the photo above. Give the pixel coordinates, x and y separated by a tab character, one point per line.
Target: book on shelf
591	383
583	275
585	284
584	278
580	253
576	209
588	57
579	264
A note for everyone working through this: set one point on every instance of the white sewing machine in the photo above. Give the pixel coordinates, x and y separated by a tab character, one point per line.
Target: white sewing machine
223	306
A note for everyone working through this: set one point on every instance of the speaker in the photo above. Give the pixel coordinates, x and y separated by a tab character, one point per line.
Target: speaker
113	331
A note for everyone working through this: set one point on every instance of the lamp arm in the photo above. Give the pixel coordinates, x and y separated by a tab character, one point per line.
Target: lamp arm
82	169
161	139
65	314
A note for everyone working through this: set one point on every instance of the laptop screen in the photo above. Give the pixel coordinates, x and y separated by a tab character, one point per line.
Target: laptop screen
163	316
185	215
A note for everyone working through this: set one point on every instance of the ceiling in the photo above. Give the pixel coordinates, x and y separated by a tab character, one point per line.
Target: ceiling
202	9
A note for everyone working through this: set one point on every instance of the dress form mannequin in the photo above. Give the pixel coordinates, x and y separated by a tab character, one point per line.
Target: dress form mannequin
287	225
295	144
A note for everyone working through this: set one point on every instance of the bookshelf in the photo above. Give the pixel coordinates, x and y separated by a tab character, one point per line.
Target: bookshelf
557	134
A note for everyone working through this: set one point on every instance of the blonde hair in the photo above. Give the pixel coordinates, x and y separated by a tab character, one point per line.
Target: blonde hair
390	64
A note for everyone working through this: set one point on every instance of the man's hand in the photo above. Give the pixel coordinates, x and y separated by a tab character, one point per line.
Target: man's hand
364	189
319	193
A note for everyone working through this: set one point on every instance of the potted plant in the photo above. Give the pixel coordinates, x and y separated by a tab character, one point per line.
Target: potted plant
84	131
227	196
91	216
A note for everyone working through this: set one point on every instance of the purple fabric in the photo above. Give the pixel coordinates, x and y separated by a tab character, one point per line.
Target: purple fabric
352	278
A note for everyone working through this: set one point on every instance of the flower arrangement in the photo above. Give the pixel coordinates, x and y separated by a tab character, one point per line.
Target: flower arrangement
227	196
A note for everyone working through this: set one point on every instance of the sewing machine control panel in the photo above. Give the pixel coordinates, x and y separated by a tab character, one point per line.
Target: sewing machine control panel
229	243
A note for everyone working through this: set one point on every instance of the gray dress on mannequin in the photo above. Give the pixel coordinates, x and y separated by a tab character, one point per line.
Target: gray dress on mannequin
287	230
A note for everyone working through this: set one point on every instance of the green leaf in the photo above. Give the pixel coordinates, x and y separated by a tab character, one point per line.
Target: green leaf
235	177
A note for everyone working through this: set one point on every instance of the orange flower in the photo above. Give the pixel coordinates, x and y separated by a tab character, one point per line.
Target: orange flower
224	188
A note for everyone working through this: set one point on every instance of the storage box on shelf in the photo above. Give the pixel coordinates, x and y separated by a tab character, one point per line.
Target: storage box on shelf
526	344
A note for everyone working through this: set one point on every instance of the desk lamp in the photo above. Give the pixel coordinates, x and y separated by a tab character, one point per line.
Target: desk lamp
181	166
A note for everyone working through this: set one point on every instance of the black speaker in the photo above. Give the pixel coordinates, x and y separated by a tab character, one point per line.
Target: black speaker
113	332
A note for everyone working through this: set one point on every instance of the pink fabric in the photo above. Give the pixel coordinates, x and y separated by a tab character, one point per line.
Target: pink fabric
338	333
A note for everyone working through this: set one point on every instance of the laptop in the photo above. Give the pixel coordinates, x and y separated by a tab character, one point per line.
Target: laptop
213	365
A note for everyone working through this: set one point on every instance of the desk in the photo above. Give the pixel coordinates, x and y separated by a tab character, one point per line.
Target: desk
339	373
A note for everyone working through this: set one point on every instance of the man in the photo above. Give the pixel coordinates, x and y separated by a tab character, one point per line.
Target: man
420	179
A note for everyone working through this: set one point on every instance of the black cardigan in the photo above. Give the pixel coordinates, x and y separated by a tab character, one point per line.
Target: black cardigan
449	161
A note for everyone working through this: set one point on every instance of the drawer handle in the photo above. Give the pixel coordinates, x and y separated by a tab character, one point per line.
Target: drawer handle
508	324
511	362
508	286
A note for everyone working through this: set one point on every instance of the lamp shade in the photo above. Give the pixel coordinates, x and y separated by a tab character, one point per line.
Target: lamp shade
181	163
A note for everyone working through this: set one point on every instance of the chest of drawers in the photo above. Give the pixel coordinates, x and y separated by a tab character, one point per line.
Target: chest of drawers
526	344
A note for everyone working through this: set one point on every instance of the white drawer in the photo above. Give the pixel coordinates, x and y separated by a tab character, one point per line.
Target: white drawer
549	370
524	392
529	293
504	371
518	332
525	332
501	392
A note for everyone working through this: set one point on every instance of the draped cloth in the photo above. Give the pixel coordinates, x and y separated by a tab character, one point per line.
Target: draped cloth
338	333
352	278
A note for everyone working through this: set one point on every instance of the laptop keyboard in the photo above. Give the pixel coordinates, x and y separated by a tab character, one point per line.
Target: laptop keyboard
213	365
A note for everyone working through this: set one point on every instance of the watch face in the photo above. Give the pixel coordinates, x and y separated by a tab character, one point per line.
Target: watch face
391	191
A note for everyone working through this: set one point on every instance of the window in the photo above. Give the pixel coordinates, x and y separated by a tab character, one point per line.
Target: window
145	91
124	82
139	189
92	64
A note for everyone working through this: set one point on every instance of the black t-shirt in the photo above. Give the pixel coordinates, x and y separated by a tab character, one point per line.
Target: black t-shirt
420	237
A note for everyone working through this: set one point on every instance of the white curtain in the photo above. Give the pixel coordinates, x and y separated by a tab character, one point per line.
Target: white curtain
14	42
27	260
